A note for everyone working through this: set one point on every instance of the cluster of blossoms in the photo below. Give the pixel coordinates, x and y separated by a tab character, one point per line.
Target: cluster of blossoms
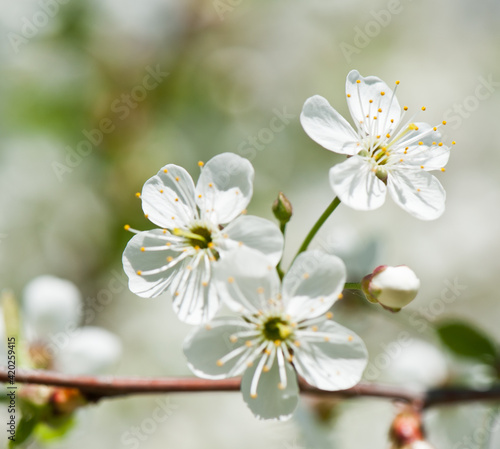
51	338
207	251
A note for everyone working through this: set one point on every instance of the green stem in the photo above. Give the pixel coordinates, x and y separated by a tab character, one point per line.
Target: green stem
352	286
281	273
328	211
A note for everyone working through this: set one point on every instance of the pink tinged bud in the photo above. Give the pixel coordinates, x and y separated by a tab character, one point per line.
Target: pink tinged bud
392	287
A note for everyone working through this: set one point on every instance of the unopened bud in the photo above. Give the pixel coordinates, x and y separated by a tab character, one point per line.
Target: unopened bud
392	287
407	431
282	209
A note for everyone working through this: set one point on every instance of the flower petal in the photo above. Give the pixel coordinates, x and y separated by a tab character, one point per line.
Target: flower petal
313	284
354	182
195	297
89	350
255	233
383	98
50	304
326	126
207	345
168	198
271	401
417	192
225	187
245	280
334	358
421	148
138	263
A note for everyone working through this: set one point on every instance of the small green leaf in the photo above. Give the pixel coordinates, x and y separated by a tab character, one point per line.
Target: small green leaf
24	430
467	341
56	429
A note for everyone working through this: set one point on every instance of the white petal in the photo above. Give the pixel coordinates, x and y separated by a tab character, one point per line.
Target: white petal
89	350
417	192
245	280
336	364
326	126
225	186
395	287
422	149
255	233
195	297
136	261
50	304
354	182
313	284
168	198
206	345
271	401
358	100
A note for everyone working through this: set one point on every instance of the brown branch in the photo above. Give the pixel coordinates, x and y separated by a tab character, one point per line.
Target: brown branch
100	387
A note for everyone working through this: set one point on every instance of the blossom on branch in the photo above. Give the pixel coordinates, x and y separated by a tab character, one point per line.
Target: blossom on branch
385	151
280	331
200	226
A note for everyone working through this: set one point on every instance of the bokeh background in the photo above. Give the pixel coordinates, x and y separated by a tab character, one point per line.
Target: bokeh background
225	69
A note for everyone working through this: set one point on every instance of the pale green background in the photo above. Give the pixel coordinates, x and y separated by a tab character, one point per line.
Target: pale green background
226	78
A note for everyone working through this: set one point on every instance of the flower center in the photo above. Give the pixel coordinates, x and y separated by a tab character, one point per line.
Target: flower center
200	236
277	329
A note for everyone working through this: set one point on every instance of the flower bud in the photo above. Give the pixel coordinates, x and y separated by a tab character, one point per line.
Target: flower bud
282	209
407	431
392	287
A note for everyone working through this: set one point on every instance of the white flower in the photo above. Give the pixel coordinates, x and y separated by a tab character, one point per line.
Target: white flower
50	316
182	256
386	152
393	287
282	330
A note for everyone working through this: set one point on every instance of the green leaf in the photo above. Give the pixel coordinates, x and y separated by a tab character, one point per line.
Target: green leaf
56	429
24	430
466	341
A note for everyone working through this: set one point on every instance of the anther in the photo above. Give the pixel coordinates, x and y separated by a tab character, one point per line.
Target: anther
230	279
443	169
139	272
165	170
329	315
143	249
423	108
201	163
177	178
126	227
444	122
138	195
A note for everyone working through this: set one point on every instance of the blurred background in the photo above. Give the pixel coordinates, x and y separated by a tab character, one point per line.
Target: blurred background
96	96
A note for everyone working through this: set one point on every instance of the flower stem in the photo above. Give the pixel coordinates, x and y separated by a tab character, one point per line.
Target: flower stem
328	211
352	286
280	271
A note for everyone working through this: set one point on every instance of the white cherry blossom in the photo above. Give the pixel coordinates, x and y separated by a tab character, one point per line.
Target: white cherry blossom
281	331
51	315
199	226
385	150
